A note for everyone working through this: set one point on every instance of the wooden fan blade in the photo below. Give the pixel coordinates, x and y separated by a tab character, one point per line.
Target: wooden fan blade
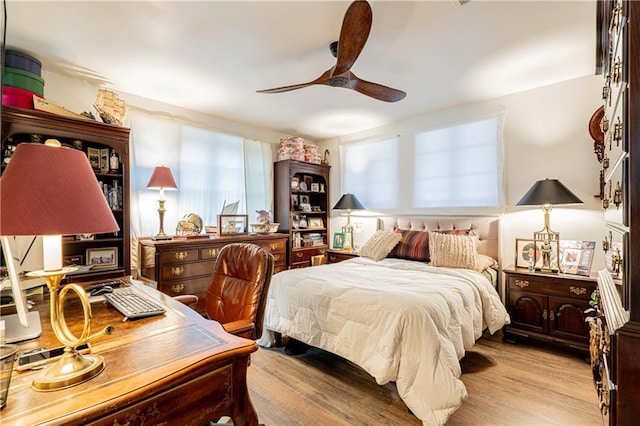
375	90
323	79
353	35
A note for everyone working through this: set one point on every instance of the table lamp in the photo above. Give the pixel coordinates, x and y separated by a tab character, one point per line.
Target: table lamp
162	179
546	193
52	191
348	202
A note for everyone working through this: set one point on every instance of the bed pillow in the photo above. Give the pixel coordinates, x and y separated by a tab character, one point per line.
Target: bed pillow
414	245
486	262
379	245
454	251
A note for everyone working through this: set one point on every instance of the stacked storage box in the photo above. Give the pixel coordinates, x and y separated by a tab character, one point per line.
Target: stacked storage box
21	80
291	148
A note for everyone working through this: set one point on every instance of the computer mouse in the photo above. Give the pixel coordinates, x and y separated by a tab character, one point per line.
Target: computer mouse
101	290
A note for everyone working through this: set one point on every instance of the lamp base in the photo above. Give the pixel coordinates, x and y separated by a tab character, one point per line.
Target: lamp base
73	368
161	237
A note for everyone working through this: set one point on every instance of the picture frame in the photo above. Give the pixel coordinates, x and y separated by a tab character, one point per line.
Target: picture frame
93	154
295	202
576	256
305	207
308	180
304	199
316	223
295	183
104	160
233	224
73	260
527	255
102	257
315	187
338	240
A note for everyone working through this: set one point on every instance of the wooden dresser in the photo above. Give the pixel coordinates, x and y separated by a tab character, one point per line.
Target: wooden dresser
548	306
184	266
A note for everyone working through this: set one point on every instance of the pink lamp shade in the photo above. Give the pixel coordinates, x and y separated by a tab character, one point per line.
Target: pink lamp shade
52	190
161	178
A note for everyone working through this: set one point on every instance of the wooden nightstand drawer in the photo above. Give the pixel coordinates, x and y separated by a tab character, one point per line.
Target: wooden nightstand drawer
335	256
562	286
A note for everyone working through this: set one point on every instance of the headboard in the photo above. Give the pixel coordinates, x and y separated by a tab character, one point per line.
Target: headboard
486	227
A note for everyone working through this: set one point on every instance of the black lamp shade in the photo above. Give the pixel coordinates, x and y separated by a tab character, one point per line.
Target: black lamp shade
348	202
548	191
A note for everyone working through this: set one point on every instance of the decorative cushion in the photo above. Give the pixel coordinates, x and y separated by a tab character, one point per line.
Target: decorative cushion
414	245
454	251
379	245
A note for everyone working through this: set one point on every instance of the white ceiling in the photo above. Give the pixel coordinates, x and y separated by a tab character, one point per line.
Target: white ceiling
212	56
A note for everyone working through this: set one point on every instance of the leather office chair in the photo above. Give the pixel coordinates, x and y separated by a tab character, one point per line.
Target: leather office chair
237	294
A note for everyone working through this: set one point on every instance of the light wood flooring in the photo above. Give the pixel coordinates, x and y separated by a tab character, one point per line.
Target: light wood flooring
523	384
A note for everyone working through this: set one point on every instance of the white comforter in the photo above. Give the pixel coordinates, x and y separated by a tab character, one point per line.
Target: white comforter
401	321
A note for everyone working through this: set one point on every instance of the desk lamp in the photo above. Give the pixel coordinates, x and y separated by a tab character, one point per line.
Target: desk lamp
546	193
162	179
348	202
52	191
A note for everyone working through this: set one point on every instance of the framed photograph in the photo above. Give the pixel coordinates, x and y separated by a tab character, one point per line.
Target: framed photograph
304	199
102	257
308	180
316	222
576	257
295	202
338	240
305	207
527	255
73	260
104	160
315	187
94	158
295	183
233	224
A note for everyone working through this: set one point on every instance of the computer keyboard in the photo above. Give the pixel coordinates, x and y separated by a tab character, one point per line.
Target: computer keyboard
133	305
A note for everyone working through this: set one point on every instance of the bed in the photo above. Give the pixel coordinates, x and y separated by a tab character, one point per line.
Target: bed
399	318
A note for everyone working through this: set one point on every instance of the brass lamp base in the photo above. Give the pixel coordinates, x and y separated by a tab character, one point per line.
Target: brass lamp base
71	369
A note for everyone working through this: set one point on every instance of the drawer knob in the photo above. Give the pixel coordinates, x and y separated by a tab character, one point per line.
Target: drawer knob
578	291
522	283
274	246
177	270
213	252
181	255
299	255
177	288
332	258
276	257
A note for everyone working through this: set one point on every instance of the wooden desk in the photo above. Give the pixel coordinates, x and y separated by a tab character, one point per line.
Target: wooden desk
177	368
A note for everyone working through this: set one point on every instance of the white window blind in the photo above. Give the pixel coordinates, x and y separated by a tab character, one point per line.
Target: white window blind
457	166
371	172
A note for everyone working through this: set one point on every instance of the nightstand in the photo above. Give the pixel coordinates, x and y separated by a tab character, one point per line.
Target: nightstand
335	256
548	306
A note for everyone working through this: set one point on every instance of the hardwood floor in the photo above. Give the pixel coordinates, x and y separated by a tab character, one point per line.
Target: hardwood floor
523	384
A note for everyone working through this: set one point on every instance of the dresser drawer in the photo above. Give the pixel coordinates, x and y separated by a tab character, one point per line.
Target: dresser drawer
275	246
197	286
569	288
305	254
173	256
186	270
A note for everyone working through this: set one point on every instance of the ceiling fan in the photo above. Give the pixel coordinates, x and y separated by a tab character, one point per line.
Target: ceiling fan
356	26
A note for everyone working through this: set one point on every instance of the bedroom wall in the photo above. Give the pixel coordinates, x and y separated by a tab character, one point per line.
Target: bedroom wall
545	135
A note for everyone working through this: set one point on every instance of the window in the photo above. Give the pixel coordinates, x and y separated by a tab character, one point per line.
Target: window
209	168
455	166
371	172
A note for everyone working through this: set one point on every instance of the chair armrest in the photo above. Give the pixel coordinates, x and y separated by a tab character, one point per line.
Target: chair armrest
240	327
187	299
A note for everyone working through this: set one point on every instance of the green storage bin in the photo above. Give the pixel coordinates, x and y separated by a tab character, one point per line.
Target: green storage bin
23	80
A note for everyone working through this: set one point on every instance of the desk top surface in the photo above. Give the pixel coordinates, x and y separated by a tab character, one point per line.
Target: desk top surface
140	356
